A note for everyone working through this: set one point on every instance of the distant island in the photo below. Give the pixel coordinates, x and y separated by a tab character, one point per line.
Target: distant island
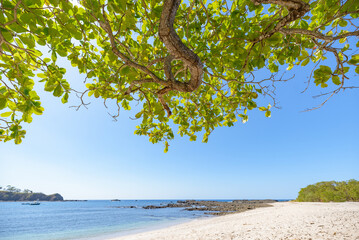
11	193
330	191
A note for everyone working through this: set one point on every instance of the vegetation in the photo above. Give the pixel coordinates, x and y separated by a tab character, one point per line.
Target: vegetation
10	188
10	193
330	192
195	64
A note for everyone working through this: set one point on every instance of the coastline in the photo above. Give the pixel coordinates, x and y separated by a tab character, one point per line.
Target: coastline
145	229
94	219
284	220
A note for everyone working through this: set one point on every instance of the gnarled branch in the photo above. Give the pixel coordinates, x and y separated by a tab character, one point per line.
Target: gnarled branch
178	49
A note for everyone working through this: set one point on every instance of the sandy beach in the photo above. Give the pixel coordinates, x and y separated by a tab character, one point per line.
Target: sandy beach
288	220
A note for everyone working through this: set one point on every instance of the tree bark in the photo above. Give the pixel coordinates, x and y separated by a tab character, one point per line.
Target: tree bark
178	50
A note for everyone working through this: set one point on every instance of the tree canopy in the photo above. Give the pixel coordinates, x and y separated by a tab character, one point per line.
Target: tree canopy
330	191
193	64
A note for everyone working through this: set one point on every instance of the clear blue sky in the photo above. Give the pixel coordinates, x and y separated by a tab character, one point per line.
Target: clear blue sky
85	155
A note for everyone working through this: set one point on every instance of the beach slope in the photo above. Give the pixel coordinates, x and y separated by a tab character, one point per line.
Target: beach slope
285	220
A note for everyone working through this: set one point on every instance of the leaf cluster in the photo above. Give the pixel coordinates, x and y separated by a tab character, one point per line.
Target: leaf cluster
115	44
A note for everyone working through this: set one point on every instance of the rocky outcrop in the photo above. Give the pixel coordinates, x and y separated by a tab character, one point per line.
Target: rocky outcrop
19	196
216	207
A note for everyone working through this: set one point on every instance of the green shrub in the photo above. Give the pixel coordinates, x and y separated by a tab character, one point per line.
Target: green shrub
330	192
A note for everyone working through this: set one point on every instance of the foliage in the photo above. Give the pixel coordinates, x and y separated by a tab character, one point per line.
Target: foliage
330	192
115	44
10	188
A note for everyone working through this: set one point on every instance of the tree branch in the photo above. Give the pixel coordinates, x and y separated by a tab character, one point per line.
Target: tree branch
317	35
107	27
178	49
296	8
160	94
290	4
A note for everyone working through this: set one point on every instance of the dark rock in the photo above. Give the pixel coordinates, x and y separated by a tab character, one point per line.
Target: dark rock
154	207
216	207
74	200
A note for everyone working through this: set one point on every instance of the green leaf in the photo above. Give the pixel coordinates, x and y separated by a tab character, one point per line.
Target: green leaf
303	24
354	60
346	47
305	62
166	147
41	75
291	65
336	80
193	138
262	108
268	113
28	40
157	11
54	56
325	70
62	52
273	68
343	23
121	4
139	114
6	114
2	103
125	70
7	35
65	98
275	39
41	42
58	91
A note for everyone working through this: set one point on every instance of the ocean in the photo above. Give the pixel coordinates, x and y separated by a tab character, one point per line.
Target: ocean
87	220
96	219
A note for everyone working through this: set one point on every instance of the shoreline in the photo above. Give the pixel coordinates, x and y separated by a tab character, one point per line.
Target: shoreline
284	220
144	229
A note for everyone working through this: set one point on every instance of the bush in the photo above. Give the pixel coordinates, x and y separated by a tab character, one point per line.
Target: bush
330	192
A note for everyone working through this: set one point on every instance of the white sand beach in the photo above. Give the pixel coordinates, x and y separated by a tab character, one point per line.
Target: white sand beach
289	220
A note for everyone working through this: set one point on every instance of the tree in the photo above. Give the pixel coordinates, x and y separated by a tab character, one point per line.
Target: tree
10	188
27	191
330	191
191	64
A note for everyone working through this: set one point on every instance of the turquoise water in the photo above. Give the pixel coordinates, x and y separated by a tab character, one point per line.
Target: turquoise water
84	220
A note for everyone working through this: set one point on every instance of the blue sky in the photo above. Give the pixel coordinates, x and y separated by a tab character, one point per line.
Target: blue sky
86	155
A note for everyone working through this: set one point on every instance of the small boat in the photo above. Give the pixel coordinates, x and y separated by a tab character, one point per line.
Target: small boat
31	203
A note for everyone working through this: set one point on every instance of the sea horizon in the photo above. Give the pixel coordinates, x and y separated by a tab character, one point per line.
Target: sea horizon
165	199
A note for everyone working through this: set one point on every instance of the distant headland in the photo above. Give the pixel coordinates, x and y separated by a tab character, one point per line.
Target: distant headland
11	193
